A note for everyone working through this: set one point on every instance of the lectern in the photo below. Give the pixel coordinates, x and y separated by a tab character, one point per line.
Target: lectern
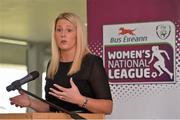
47	116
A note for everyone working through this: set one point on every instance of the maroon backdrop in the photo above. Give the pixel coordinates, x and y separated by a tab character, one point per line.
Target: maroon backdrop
100	12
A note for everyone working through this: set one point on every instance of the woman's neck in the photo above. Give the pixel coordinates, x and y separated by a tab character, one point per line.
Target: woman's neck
67	56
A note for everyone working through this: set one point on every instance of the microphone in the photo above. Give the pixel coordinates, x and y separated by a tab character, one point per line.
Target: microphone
16	84
31	76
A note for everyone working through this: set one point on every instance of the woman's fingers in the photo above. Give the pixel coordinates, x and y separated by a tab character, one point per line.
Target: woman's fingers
58	94
12	103
72	83
53	94
60	88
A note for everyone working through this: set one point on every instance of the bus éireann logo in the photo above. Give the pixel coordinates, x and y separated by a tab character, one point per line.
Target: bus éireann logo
123	31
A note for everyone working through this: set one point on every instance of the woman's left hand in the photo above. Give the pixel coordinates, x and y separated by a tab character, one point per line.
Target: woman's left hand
67	94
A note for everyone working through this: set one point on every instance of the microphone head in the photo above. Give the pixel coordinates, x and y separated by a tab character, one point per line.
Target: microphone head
16	84
34	74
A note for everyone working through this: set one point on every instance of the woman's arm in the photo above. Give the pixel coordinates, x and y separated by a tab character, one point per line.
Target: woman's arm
73	95
38	105
23	100
96	105
100	86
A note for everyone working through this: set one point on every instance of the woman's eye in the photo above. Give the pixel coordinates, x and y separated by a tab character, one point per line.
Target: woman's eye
59	30
69	30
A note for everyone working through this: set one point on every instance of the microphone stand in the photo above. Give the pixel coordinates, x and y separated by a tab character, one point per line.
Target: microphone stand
73	115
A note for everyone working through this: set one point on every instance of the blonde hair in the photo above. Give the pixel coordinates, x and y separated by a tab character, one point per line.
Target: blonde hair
81	48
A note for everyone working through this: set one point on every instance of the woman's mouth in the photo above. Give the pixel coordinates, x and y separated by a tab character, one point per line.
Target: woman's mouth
63	41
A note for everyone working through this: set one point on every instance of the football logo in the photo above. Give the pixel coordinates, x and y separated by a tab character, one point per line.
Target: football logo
163	31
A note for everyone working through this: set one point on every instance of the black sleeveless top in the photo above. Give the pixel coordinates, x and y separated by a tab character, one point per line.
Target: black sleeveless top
91	80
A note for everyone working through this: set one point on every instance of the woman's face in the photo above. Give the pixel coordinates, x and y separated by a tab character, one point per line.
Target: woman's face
65	35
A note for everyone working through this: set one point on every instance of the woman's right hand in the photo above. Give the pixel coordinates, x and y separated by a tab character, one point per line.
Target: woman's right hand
21	100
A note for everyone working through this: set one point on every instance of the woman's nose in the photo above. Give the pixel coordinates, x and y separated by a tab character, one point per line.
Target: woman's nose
63	34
